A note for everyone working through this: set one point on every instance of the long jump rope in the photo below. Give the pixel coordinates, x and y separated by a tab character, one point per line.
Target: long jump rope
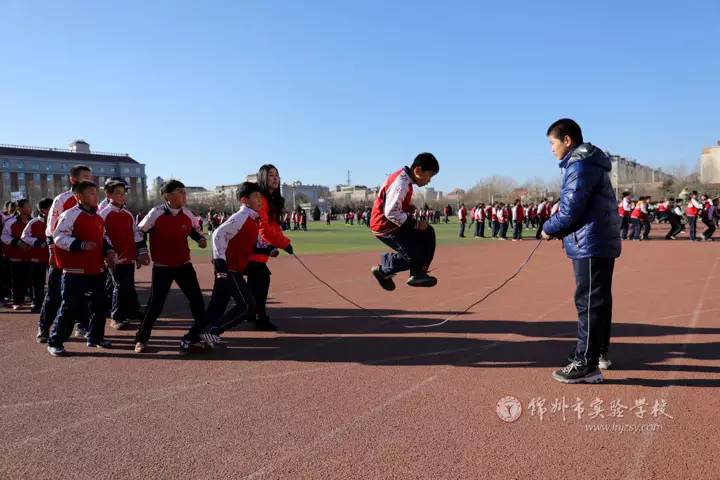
470	307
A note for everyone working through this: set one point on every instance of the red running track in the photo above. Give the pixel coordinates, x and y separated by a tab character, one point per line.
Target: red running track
338	394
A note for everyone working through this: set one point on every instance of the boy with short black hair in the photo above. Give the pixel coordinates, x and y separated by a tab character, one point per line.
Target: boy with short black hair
129	245
18	252
34	236
65	201
393	224
81	250
233	243
169	226
587	221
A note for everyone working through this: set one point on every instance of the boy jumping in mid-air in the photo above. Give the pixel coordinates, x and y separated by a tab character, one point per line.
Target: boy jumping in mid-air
393	224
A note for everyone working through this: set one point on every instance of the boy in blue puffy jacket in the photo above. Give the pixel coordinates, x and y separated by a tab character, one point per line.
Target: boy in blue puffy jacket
589	225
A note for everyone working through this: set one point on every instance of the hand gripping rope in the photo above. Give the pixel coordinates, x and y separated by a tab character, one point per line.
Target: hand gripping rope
485	297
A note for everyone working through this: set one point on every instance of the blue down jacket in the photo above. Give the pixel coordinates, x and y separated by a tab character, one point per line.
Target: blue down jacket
587	220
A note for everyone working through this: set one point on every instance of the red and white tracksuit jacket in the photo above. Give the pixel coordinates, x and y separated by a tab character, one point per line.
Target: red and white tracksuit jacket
77	227
34	235
122	230
640	211
693	207
479	215
235	240
518	213
169	229
392	207
11	233
61	203
462	214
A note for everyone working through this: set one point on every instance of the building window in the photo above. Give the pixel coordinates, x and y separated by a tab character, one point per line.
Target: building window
20	164
48	166
126	170
49	177
102	169
5	164
137	170
21	177
36	166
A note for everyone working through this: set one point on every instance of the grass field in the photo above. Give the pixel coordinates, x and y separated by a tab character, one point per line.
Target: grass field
338	237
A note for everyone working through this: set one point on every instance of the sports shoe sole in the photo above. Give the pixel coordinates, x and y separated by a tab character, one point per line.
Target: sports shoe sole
591	378
422	283
385	283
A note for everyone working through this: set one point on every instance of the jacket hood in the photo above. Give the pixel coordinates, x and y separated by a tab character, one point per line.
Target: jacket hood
588	153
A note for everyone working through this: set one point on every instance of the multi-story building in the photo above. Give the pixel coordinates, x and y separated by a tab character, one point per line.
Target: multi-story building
636	178
710	164
295	193
354	193
36	172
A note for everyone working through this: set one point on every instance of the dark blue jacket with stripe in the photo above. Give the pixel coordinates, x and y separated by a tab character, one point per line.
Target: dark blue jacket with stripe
587	220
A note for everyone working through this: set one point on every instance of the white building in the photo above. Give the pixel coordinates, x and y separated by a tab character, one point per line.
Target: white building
710	164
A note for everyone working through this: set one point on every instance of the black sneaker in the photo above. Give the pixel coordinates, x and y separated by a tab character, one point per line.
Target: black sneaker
99	344
422	280
42	336
197	346
264	325
385	281
578	372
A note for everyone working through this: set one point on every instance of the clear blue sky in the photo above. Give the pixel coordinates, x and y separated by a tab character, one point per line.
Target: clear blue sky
208	91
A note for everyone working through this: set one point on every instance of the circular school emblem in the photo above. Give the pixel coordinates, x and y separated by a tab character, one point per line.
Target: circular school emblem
508	409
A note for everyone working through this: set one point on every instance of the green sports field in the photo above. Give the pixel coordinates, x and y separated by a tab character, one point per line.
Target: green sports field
338	237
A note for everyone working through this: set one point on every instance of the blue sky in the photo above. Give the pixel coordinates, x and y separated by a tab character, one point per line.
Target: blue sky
208	91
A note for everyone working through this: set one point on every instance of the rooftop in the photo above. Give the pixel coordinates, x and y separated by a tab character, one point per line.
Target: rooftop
64	154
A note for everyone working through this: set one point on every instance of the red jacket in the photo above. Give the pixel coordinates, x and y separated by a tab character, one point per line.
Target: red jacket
638	213
692	207
169	230
121	229
269	232
11	233
34	235
235	240
462	214
76	227
392	207
64	201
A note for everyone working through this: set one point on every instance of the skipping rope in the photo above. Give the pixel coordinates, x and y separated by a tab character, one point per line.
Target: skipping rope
472	305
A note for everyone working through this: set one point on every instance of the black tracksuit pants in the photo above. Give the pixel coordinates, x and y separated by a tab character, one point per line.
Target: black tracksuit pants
162	280
233	286
124	301
20	278
593	301
38	272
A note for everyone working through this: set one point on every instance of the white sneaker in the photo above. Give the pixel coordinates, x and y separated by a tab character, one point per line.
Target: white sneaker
604	362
